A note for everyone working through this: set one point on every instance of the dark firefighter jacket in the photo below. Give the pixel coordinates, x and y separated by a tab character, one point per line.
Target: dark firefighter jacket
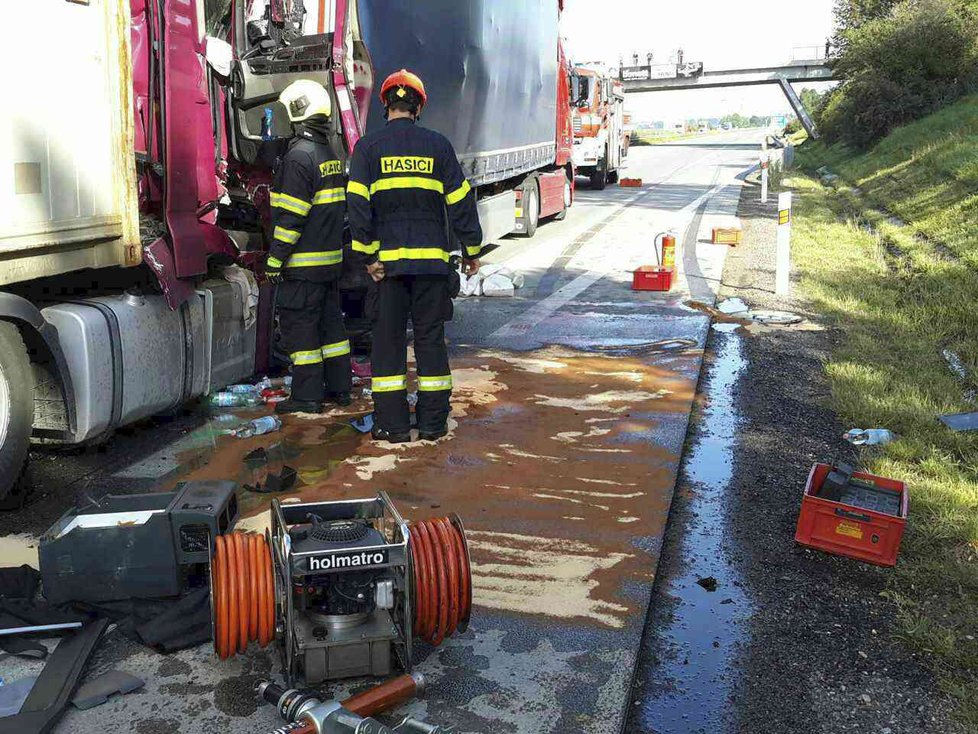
308	208
403	181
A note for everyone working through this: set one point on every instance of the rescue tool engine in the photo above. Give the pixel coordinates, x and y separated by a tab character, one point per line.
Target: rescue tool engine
346	587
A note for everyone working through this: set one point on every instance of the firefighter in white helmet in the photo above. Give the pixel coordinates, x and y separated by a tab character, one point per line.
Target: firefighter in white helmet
305	259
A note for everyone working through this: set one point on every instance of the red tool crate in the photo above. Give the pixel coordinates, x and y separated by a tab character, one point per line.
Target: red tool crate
849	529
652	278
630	182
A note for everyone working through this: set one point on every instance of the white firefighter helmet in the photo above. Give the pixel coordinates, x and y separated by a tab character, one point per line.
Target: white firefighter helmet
304	98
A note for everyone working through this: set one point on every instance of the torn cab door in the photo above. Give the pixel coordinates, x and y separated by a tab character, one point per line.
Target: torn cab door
275	42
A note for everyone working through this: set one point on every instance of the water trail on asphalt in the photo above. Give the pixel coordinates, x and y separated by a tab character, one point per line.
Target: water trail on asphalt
693	680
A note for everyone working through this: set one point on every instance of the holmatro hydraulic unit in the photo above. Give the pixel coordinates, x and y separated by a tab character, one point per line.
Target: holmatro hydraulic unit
346	587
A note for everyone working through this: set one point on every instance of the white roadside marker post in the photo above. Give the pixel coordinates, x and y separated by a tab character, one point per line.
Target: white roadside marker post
765	163
782	283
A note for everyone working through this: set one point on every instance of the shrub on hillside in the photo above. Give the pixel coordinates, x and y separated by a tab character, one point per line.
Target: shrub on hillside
920	57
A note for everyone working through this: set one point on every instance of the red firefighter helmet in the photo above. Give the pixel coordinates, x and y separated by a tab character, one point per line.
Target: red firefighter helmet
405	80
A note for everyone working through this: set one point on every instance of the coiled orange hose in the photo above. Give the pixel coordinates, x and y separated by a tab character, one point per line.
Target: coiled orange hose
442	579
242	586
244	592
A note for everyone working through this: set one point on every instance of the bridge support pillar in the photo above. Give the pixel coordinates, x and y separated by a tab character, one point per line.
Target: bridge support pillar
798	106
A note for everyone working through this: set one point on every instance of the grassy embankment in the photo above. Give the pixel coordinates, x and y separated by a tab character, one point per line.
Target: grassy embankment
901	295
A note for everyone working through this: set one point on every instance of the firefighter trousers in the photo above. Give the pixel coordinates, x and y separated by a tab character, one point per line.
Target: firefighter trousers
425	300
311	325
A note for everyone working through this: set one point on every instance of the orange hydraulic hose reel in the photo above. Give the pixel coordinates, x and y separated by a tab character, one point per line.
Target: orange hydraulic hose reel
347	587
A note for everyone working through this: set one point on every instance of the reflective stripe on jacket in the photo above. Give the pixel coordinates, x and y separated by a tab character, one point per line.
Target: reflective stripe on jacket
308	201
406	187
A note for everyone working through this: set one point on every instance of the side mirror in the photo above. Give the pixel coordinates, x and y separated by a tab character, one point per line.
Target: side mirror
219	55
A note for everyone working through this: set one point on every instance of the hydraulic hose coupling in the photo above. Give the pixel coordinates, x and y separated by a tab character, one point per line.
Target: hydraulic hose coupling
306	713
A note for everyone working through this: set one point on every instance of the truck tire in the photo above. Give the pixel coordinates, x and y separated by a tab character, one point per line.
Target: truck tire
613	177
599	179
16	408
531	206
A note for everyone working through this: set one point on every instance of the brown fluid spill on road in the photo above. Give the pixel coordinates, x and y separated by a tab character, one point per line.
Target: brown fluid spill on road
551	462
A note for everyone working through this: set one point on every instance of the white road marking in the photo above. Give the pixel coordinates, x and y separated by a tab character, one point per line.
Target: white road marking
544	309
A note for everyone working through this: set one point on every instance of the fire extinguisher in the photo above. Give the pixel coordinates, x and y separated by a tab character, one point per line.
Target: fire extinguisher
665	249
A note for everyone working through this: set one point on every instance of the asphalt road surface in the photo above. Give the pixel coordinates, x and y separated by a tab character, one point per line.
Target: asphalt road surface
570	409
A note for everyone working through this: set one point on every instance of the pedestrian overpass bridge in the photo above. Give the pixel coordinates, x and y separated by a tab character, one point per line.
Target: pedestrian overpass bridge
651	78
814	71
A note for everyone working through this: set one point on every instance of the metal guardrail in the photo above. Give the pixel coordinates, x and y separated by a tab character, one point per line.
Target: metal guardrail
818	52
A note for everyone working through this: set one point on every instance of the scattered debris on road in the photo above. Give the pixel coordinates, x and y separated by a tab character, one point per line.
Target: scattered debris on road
775	318
827	178
276	483
97	691
363	423
731	306
491	280
257	427
961	421
869	436
708	582
955	363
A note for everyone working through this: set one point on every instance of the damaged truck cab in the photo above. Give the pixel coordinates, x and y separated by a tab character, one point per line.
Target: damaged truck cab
134	206
131	231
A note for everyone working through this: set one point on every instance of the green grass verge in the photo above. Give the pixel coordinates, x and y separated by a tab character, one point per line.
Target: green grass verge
926	173
899	300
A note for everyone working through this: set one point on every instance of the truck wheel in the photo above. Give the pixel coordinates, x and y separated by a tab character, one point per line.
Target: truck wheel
613	177
531	207
16	407
599	179
568	197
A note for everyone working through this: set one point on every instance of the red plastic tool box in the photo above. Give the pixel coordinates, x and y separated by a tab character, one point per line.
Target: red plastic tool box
652	278
866	525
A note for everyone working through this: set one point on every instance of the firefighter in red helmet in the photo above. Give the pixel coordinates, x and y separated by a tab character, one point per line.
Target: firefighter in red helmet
406	191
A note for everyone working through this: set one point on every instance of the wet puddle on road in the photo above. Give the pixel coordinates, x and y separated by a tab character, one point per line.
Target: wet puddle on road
552	463
692	675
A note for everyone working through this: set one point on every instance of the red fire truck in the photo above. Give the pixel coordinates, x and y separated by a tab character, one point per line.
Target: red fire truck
600	144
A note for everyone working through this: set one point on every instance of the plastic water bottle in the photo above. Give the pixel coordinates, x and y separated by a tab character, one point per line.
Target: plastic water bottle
258	427
869	436
243	389
226	418
226	399
266	124
269	383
